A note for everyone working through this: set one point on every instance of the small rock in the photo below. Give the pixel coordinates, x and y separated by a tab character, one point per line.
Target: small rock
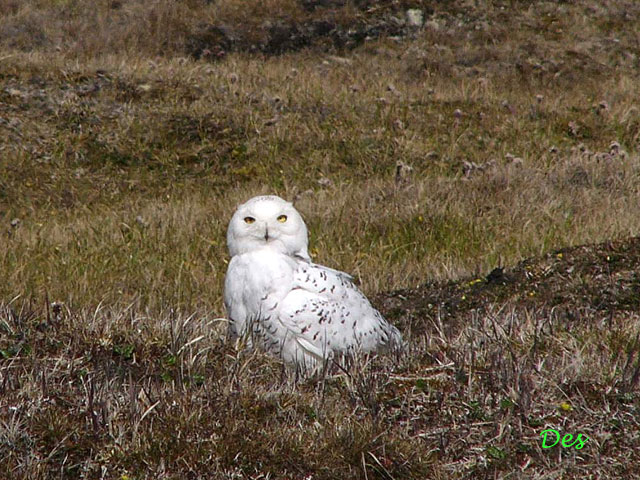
15	222
415	18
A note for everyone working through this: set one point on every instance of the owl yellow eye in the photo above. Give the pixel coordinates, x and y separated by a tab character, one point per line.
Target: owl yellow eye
249	220
282	218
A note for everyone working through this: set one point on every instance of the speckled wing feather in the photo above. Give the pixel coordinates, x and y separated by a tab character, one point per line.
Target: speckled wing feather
326	314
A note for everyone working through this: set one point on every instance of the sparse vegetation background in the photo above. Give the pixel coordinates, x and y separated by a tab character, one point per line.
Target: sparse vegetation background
426	143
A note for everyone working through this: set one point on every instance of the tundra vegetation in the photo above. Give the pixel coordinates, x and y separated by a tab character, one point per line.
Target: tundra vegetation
474	165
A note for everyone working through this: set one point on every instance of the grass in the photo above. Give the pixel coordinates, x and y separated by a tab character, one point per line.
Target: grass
129	132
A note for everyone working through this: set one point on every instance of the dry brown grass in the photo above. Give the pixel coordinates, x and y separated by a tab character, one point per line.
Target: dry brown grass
122	158
165	143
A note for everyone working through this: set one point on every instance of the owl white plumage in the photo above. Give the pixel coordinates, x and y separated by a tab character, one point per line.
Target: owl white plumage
281	302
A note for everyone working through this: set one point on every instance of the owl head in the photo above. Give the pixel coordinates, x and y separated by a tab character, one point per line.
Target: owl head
267	221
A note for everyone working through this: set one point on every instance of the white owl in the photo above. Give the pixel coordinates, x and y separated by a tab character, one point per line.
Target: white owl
283	303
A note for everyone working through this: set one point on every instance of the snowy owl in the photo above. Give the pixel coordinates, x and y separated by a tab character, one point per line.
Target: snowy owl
281	302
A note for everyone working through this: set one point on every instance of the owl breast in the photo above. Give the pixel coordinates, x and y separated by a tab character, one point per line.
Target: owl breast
256	282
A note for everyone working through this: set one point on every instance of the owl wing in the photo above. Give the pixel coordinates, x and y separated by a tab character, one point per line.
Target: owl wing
326	314
338	273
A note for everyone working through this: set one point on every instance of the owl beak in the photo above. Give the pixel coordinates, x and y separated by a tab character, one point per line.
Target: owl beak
266	234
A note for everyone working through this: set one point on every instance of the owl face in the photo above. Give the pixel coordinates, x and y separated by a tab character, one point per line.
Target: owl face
267	221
